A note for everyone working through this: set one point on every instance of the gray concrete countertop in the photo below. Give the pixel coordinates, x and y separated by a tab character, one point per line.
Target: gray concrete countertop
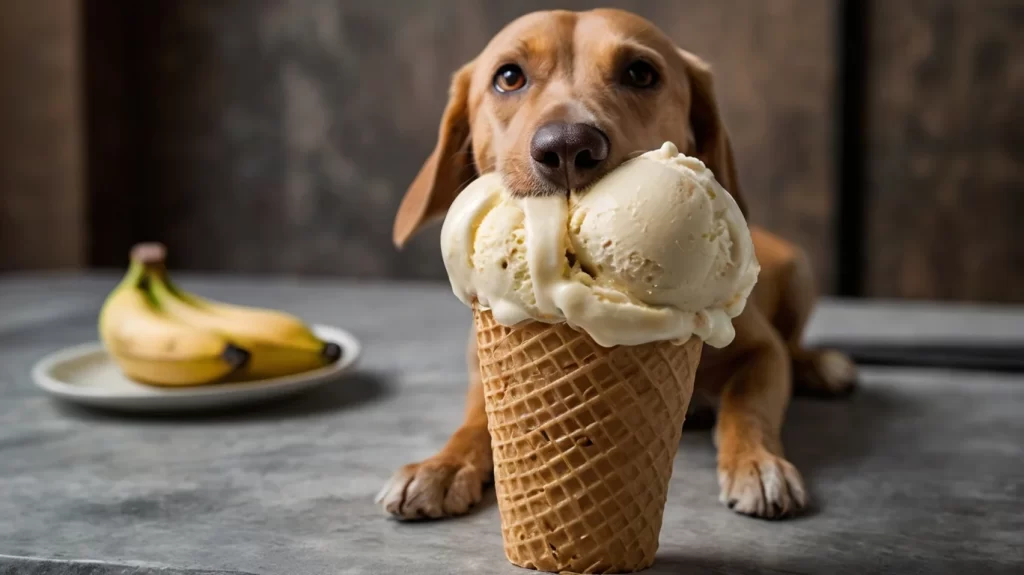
920	471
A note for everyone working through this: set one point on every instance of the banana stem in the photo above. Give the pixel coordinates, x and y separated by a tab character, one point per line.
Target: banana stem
135	277
149	254
145	259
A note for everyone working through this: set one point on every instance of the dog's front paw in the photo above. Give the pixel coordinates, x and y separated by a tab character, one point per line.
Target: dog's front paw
433	488
761	484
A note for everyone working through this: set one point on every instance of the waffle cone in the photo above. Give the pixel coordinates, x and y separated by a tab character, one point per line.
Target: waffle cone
583	440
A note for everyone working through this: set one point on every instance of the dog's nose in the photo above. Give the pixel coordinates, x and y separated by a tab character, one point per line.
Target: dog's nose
568	155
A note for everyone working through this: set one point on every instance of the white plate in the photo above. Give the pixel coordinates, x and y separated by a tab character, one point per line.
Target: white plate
86	374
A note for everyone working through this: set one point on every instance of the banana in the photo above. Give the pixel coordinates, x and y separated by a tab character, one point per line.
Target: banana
152	347
279	343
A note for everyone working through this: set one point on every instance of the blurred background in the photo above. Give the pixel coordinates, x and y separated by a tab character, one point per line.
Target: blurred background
278	137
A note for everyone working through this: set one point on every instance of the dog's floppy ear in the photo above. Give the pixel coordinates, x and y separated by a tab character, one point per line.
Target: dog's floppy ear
449	166
710	136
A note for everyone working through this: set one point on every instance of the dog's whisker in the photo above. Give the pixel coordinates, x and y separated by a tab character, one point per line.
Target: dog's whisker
462	185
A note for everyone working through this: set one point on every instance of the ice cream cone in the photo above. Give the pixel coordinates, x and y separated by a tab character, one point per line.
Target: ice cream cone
583	438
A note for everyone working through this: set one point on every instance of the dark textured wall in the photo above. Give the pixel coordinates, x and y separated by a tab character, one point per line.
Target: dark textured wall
42	205
280	136
945	150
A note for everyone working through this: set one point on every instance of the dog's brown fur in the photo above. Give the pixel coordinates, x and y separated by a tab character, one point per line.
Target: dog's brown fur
572	62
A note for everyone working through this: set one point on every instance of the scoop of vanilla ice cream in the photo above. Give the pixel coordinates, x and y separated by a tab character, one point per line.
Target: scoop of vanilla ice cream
661	228
656	250
484	247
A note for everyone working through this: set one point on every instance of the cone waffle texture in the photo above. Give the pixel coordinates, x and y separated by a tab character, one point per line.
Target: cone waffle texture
583	438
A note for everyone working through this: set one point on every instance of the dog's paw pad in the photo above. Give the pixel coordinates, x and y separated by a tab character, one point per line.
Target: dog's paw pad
432	489
762	485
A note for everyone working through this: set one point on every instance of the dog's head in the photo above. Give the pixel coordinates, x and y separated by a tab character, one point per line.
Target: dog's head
558	99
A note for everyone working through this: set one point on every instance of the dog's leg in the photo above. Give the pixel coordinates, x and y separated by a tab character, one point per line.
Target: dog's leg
819	372
754	476
452	481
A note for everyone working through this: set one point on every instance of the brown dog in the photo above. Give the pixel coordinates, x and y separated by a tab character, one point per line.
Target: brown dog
555	101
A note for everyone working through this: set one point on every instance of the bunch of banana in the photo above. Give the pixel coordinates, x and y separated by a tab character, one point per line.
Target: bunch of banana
161	335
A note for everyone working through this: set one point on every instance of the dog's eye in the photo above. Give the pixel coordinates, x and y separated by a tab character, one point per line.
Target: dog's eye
509	78
640	74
